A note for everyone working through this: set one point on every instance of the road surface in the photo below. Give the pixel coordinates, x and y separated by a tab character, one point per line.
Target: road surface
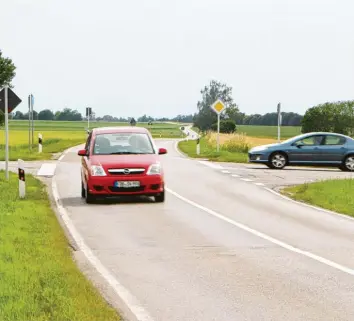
220	248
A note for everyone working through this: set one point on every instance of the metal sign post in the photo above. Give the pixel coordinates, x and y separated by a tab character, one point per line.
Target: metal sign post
32	103
88	114
8	102
7	132
218	107
29	123
279	120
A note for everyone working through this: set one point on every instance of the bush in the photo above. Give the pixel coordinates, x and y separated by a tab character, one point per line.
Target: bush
227	126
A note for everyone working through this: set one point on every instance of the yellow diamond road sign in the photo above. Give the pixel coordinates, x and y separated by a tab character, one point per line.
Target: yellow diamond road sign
218	106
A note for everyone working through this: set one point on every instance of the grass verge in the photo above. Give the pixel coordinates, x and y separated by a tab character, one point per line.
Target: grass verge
39	280
335	194
207	150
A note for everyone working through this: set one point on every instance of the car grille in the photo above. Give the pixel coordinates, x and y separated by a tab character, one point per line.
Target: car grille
126	171
127	190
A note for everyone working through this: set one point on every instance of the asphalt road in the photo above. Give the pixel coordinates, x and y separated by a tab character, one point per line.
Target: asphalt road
220	248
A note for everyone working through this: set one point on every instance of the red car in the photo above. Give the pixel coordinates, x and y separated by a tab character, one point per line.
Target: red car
121	161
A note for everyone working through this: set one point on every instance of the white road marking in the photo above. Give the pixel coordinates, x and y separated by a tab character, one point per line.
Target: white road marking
259	184
225	172
235	175
265	236
47	169
246	179
310	206
135	308
212	165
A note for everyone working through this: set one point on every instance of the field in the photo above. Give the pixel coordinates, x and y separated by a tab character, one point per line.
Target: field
269	131
335	195
38	278
60	135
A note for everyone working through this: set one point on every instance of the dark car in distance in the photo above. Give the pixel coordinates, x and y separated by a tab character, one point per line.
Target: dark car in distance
311	149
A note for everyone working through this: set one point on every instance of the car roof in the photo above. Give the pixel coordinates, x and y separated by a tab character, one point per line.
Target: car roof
119	129
325	133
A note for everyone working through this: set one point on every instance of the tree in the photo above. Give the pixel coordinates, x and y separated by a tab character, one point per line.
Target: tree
335	117
206	117
46	114
227	126
68	114
7	73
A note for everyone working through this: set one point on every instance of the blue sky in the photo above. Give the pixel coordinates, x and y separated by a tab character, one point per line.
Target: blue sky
127	58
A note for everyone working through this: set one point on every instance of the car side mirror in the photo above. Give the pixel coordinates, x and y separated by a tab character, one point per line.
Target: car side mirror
82	152
162	151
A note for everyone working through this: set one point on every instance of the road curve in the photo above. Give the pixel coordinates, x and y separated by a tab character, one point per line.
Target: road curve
219	248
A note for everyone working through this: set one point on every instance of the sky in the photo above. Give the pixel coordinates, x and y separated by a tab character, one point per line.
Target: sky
129	58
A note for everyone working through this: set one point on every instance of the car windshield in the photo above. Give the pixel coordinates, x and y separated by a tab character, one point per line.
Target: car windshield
123	144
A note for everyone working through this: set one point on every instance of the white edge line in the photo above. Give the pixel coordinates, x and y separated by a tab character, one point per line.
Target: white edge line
259	184
235	175
246	179
129	300
311	206
264	236
225	172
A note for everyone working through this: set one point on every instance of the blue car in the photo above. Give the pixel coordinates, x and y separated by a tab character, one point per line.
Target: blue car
314	149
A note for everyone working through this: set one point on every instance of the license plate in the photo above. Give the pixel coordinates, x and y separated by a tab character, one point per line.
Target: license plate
127	184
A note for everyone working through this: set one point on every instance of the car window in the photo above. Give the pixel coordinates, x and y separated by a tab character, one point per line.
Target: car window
123	143
334	140
311	140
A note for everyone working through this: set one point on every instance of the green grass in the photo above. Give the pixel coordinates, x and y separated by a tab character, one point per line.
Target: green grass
39	280
335	195
58	136
165	129
209	152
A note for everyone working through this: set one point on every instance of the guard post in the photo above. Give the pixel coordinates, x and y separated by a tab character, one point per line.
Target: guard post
198	146
40	143
21	179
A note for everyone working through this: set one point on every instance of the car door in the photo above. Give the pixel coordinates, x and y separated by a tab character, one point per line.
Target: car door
333	148
306	150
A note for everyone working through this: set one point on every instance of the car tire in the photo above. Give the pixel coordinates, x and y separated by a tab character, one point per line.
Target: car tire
160	198
277	160
348	164
89	198
83	191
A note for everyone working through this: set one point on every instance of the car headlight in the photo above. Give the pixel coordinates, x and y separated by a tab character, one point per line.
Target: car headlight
258	149
154	169
97	170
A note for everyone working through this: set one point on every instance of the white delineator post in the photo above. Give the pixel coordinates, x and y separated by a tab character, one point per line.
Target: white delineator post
198	146
40	143
21	179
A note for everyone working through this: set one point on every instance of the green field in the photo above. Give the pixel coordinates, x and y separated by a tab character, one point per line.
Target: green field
265	131
60	135
39	280
269	131
335	194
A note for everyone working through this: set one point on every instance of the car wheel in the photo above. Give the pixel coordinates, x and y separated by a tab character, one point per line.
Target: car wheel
83	191
348	164
89	198
160	198
277	160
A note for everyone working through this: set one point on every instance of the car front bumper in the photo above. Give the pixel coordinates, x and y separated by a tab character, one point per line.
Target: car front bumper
258	157
104	185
